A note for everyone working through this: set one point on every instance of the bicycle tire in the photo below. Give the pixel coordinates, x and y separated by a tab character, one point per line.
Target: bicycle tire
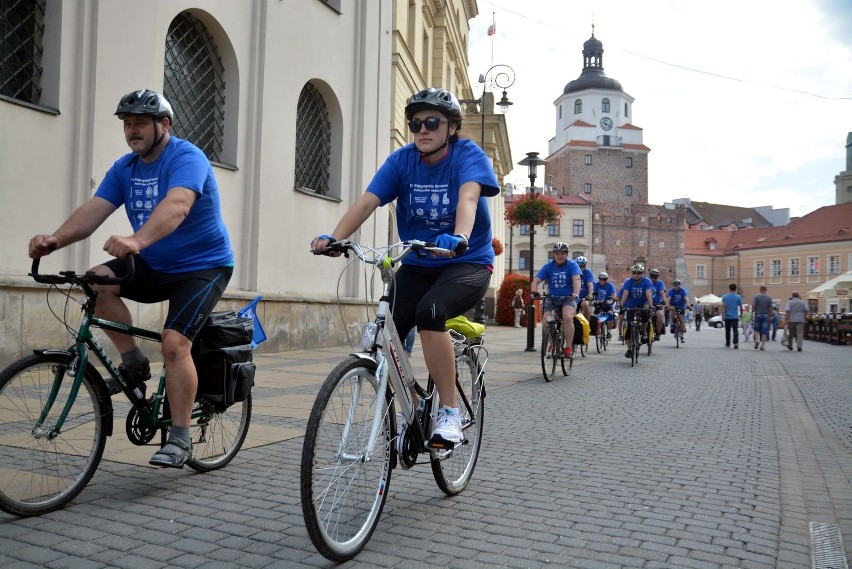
636	342
566	370
650	339
44	473
453	469
218	435
343	490
549	339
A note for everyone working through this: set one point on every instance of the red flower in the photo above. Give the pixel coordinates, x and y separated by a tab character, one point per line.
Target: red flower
498	246
533	209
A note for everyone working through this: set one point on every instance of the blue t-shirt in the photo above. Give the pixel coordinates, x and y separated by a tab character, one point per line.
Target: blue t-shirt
659	291
602	292
427	196
560	278
732	302
677	298
586	277
201	241
636	292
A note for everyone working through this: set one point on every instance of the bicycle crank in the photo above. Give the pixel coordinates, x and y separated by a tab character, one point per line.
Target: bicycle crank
137	431
406	447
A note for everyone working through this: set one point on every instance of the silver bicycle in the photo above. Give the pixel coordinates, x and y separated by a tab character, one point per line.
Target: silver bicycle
354	437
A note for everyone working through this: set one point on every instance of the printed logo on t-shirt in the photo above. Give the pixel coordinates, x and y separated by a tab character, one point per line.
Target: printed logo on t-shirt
144	197
430	204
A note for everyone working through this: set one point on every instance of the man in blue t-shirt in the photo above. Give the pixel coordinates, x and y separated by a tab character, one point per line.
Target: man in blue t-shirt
604	298
637	294
181	246
659	301
563	283
733	304
679	301
587	282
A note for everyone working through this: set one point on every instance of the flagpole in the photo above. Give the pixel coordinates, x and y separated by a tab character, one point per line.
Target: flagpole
494	33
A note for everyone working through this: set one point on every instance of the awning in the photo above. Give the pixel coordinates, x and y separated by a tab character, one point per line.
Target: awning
709	299
836	287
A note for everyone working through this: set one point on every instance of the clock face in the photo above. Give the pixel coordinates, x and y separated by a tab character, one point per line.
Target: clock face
606	123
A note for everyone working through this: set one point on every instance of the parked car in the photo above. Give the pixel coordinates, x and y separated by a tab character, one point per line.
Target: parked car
716	321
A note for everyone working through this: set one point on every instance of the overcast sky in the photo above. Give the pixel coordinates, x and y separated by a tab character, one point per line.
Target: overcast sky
745	102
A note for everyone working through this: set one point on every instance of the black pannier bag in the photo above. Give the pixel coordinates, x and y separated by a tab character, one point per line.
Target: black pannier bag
222	354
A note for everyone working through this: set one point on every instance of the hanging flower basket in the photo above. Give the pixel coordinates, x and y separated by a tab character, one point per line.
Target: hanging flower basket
497	245
533	209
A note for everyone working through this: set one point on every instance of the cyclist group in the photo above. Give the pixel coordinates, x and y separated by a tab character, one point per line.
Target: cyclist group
572	285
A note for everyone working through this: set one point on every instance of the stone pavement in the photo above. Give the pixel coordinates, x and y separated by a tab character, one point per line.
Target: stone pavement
700	457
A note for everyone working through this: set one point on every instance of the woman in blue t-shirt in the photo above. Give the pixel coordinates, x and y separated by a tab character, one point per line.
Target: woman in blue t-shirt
440	184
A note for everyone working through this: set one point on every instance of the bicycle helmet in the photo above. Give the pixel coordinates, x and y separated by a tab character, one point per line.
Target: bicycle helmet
582	261
637	268
654	273
603	276
676	282
432	98
560	247
146	103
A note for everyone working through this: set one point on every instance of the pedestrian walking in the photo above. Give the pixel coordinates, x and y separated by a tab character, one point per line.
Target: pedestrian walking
762	305
773	323
796	311
733	304
698	314
518	305
746	319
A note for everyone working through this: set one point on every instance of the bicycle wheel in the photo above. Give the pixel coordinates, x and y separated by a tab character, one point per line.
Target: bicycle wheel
344	488
43	471
453	468
567	364
549	355
218	435
636	342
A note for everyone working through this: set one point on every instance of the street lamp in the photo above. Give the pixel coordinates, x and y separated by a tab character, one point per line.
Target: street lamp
503	77
532	161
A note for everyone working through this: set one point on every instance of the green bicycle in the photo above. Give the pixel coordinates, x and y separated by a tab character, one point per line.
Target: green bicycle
56	412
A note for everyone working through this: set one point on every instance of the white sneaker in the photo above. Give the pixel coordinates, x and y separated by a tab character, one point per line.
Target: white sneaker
447	428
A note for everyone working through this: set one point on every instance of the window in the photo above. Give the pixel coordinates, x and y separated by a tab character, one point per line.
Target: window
628	190
578	227
699	271
605	105
194	85
758	269
313	142
628	162
588	159
833	264
626	110
524	230
524	260
22	49
587	188
731	272
553	230
560	112
775	268
794	267
813	265
578	106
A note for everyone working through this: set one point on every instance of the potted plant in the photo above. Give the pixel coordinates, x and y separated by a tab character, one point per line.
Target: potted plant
533	209
497	245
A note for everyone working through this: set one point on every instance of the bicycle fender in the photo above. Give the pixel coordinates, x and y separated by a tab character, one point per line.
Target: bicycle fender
363	356
94	376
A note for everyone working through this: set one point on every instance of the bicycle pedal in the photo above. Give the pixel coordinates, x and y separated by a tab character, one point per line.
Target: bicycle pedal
113	387
438	442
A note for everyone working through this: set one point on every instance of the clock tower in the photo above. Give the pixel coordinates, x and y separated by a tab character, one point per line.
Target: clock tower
598	153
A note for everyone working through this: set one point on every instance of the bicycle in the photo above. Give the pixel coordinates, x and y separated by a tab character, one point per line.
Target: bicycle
633	338
553	346
674	318
602	333
354	439
56	411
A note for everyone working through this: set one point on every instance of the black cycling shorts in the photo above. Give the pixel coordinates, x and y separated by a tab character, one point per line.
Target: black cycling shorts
428	296
192	295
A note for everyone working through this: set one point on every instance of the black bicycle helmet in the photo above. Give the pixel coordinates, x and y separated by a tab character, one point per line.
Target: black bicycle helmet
603	276
654	273
561	247
145	103
676	282
432	98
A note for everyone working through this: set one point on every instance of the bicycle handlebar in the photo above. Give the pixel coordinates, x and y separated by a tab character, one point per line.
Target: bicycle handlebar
344	246
89	278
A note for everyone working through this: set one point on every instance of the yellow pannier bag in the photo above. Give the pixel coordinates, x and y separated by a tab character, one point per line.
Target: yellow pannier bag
580	320
464	326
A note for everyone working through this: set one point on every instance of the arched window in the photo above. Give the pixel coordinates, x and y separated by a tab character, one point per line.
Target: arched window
605	105
578	106
194	85
313	142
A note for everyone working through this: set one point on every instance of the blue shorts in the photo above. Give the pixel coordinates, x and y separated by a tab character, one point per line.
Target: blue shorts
761	324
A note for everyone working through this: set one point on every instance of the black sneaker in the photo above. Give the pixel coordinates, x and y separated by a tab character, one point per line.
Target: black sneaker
628	354
134	376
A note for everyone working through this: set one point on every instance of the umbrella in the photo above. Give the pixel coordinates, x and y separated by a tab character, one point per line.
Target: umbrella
709	299
838	286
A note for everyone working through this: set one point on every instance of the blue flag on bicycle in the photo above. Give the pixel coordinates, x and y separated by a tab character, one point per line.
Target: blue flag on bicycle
250	311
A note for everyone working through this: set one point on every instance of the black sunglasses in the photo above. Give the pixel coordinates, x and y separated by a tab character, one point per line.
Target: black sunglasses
432	124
